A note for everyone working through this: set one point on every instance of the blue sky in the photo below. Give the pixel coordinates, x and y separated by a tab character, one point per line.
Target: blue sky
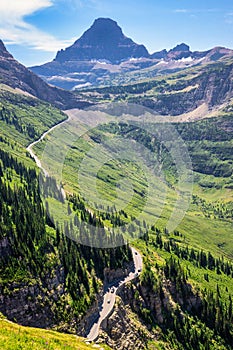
33	30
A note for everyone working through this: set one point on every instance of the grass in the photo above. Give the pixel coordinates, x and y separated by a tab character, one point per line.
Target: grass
29	112
15	337
88	168
196	278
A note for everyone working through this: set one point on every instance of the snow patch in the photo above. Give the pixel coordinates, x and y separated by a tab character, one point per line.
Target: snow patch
76	87
133	59
100	61
186	59
60	78
162	62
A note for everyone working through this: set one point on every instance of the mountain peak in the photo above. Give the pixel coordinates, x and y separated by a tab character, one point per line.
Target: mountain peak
179	51
102	30
3	50
103	40
180	48
2	46
104	20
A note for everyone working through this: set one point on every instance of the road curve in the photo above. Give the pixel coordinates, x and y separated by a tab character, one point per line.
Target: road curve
111	289
33	155
110	295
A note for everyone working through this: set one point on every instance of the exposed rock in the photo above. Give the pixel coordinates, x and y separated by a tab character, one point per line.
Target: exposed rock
93	313
160	54
32	304
104	53
121	332
3	51
5	247
104	40
85	324
114	275
178	52
126	326
42	303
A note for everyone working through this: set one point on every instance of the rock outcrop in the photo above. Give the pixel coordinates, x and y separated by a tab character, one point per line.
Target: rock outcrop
34	303
122	332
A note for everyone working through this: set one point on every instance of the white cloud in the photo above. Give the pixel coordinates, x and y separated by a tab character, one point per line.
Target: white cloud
181	11
22	8
229	18
15	30
206	10
82	3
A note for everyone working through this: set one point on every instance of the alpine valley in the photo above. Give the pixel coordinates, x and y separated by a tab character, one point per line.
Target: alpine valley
159	288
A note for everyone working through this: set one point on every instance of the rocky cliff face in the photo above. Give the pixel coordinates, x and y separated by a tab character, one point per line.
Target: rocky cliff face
212	86
209	86
34	304
178	52
122	331
128	327
5	248
44	303
118	274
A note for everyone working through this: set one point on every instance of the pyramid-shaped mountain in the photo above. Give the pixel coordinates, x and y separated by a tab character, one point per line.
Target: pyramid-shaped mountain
103	40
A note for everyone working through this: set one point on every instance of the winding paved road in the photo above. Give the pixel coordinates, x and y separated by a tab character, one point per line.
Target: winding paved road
111	289
110	295
33	155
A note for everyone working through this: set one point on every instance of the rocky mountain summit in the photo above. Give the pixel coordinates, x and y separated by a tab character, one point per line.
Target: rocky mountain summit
103	40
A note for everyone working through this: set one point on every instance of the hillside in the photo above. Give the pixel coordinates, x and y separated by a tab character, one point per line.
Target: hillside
46	279
175	94
14	337
186	285
15	75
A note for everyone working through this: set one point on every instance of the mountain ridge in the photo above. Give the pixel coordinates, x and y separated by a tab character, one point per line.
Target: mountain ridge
103	52
17	76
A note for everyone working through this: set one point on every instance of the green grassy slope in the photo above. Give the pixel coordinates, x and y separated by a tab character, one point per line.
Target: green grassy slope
208	221
14	337
204	233
33	250
26	117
